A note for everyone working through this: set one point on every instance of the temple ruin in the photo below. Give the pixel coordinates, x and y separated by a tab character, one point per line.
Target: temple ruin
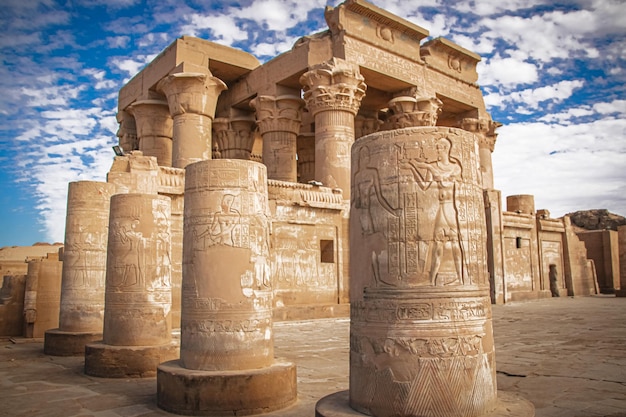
240	189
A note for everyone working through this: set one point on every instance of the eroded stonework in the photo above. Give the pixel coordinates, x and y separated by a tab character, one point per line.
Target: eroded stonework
421	339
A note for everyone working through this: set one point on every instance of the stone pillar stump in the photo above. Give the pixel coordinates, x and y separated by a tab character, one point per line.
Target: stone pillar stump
137	318
84	269
227	364
421	339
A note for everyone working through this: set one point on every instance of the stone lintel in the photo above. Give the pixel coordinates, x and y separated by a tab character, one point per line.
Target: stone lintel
225	63
218	393
551	225
306	195
362	20
518	220
451	59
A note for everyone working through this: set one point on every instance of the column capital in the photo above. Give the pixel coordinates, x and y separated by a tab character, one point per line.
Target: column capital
152	118
234	137
483	128
278	114
413	111
333	85
192	92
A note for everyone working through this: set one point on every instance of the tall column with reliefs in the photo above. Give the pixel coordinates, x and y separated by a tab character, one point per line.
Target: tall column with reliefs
137	332
421	339
84	269
192	98
333	91
227	364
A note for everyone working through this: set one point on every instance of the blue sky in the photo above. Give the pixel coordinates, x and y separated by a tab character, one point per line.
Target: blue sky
553	72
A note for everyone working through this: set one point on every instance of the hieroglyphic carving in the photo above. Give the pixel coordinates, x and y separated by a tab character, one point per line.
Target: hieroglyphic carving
139	264
428	209
84	257
226	277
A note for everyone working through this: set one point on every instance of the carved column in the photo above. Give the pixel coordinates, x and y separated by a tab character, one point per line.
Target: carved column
84	269
363	126
306	157
234	137
226	361
127	132
137	317
485	131
154	129
333	91
278	119
421	339
192	98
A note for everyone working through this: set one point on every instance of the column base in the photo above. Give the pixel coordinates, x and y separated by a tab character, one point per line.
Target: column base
216	393
108	361
508	405
60	343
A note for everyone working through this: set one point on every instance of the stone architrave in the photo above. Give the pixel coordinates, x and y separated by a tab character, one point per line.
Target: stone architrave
192	98
226	361
421	340
485	131
154	129
279	120
84	269
234	137
333	91
137	317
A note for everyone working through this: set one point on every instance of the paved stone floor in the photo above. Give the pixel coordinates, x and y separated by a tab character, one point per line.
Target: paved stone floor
566	355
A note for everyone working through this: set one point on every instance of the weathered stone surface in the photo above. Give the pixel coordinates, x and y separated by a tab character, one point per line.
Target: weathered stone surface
421	336
218	393
84	269
137	321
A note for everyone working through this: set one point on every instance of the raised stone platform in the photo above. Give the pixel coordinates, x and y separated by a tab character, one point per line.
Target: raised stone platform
509	405
218	393
60	343
108	361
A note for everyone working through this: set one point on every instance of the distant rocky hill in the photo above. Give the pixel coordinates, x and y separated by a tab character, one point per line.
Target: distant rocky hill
597	219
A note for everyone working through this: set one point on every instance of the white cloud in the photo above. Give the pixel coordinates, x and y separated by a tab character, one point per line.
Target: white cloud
532	98
490	7
567	168
223	28
506	71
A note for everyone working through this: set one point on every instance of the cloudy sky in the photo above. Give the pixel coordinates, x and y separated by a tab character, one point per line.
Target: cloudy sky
553	72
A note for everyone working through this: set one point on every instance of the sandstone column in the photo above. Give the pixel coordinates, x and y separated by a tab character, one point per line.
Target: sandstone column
154	129
306	157
226	361
485	131
333	91
234	137
84	269
279	119
192	98
421	341
137	322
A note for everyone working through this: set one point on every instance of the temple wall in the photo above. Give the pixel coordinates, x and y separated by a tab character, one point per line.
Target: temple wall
306	251
603	248
550	236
